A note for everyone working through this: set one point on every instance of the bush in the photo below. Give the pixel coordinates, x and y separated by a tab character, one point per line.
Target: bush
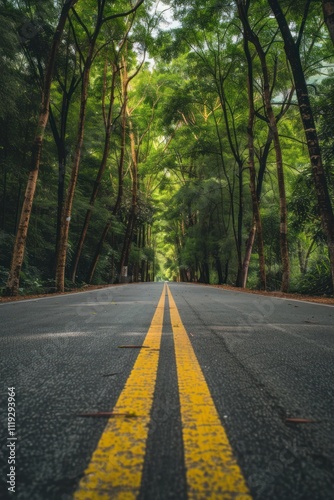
318	280
31	281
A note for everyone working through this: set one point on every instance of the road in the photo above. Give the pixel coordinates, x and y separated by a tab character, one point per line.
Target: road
167	391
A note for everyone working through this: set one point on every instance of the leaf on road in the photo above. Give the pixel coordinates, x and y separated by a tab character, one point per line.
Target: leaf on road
107	414
297	420
133	347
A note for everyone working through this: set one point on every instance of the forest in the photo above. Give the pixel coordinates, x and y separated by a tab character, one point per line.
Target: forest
183	140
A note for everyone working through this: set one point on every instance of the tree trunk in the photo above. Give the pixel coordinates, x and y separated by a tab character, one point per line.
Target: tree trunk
60	140
283	210
239	279
21	236
301	257
183	275
219	270
308	253
206	272
133	213
4	196
248	252
254	39
97	184
227	264
98	251
257	222
319	177
263	164
125	83
237	231
17	207
61	261
147	279
328	11
67	212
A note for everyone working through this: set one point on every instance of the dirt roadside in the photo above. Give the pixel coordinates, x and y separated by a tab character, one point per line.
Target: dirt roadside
40	296
296	296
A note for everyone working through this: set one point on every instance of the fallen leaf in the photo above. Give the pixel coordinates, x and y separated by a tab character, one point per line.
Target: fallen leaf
107	414
133	347
297	420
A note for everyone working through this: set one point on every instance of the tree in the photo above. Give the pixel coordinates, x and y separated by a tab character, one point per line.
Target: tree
20	242
101	19
164	169
109	124
257	223
328	11
272	122
291	48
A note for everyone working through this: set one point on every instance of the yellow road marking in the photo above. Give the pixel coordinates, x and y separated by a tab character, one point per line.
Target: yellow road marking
116	466
211	469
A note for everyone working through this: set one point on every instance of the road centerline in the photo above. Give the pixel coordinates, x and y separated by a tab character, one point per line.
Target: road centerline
211	469
116	466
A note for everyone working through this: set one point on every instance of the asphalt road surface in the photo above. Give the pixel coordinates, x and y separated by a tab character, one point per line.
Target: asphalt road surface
166	391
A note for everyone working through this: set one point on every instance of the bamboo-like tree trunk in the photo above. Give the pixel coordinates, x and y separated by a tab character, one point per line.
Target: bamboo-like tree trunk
236	226
319	177
133	214
248	252
254	39
67	212
239	279
257	222
61	258
21	236
125	83
97	183
60	140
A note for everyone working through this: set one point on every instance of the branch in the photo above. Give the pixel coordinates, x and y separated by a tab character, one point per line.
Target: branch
82	59
82	24
302	26
286	104
293	139
123	14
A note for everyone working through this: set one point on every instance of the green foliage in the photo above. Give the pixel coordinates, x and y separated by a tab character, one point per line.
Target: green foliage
317	280
189	113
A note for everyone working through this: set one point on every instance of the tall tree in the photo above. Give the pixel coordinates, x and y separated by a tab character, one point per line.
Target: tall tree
109	123
125	82
101	19
68	79
257	222
291	47
21	236
254	39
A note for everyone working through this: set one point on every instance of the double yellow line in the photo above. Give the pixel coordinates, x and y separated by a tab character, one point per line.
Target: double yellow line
115	469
